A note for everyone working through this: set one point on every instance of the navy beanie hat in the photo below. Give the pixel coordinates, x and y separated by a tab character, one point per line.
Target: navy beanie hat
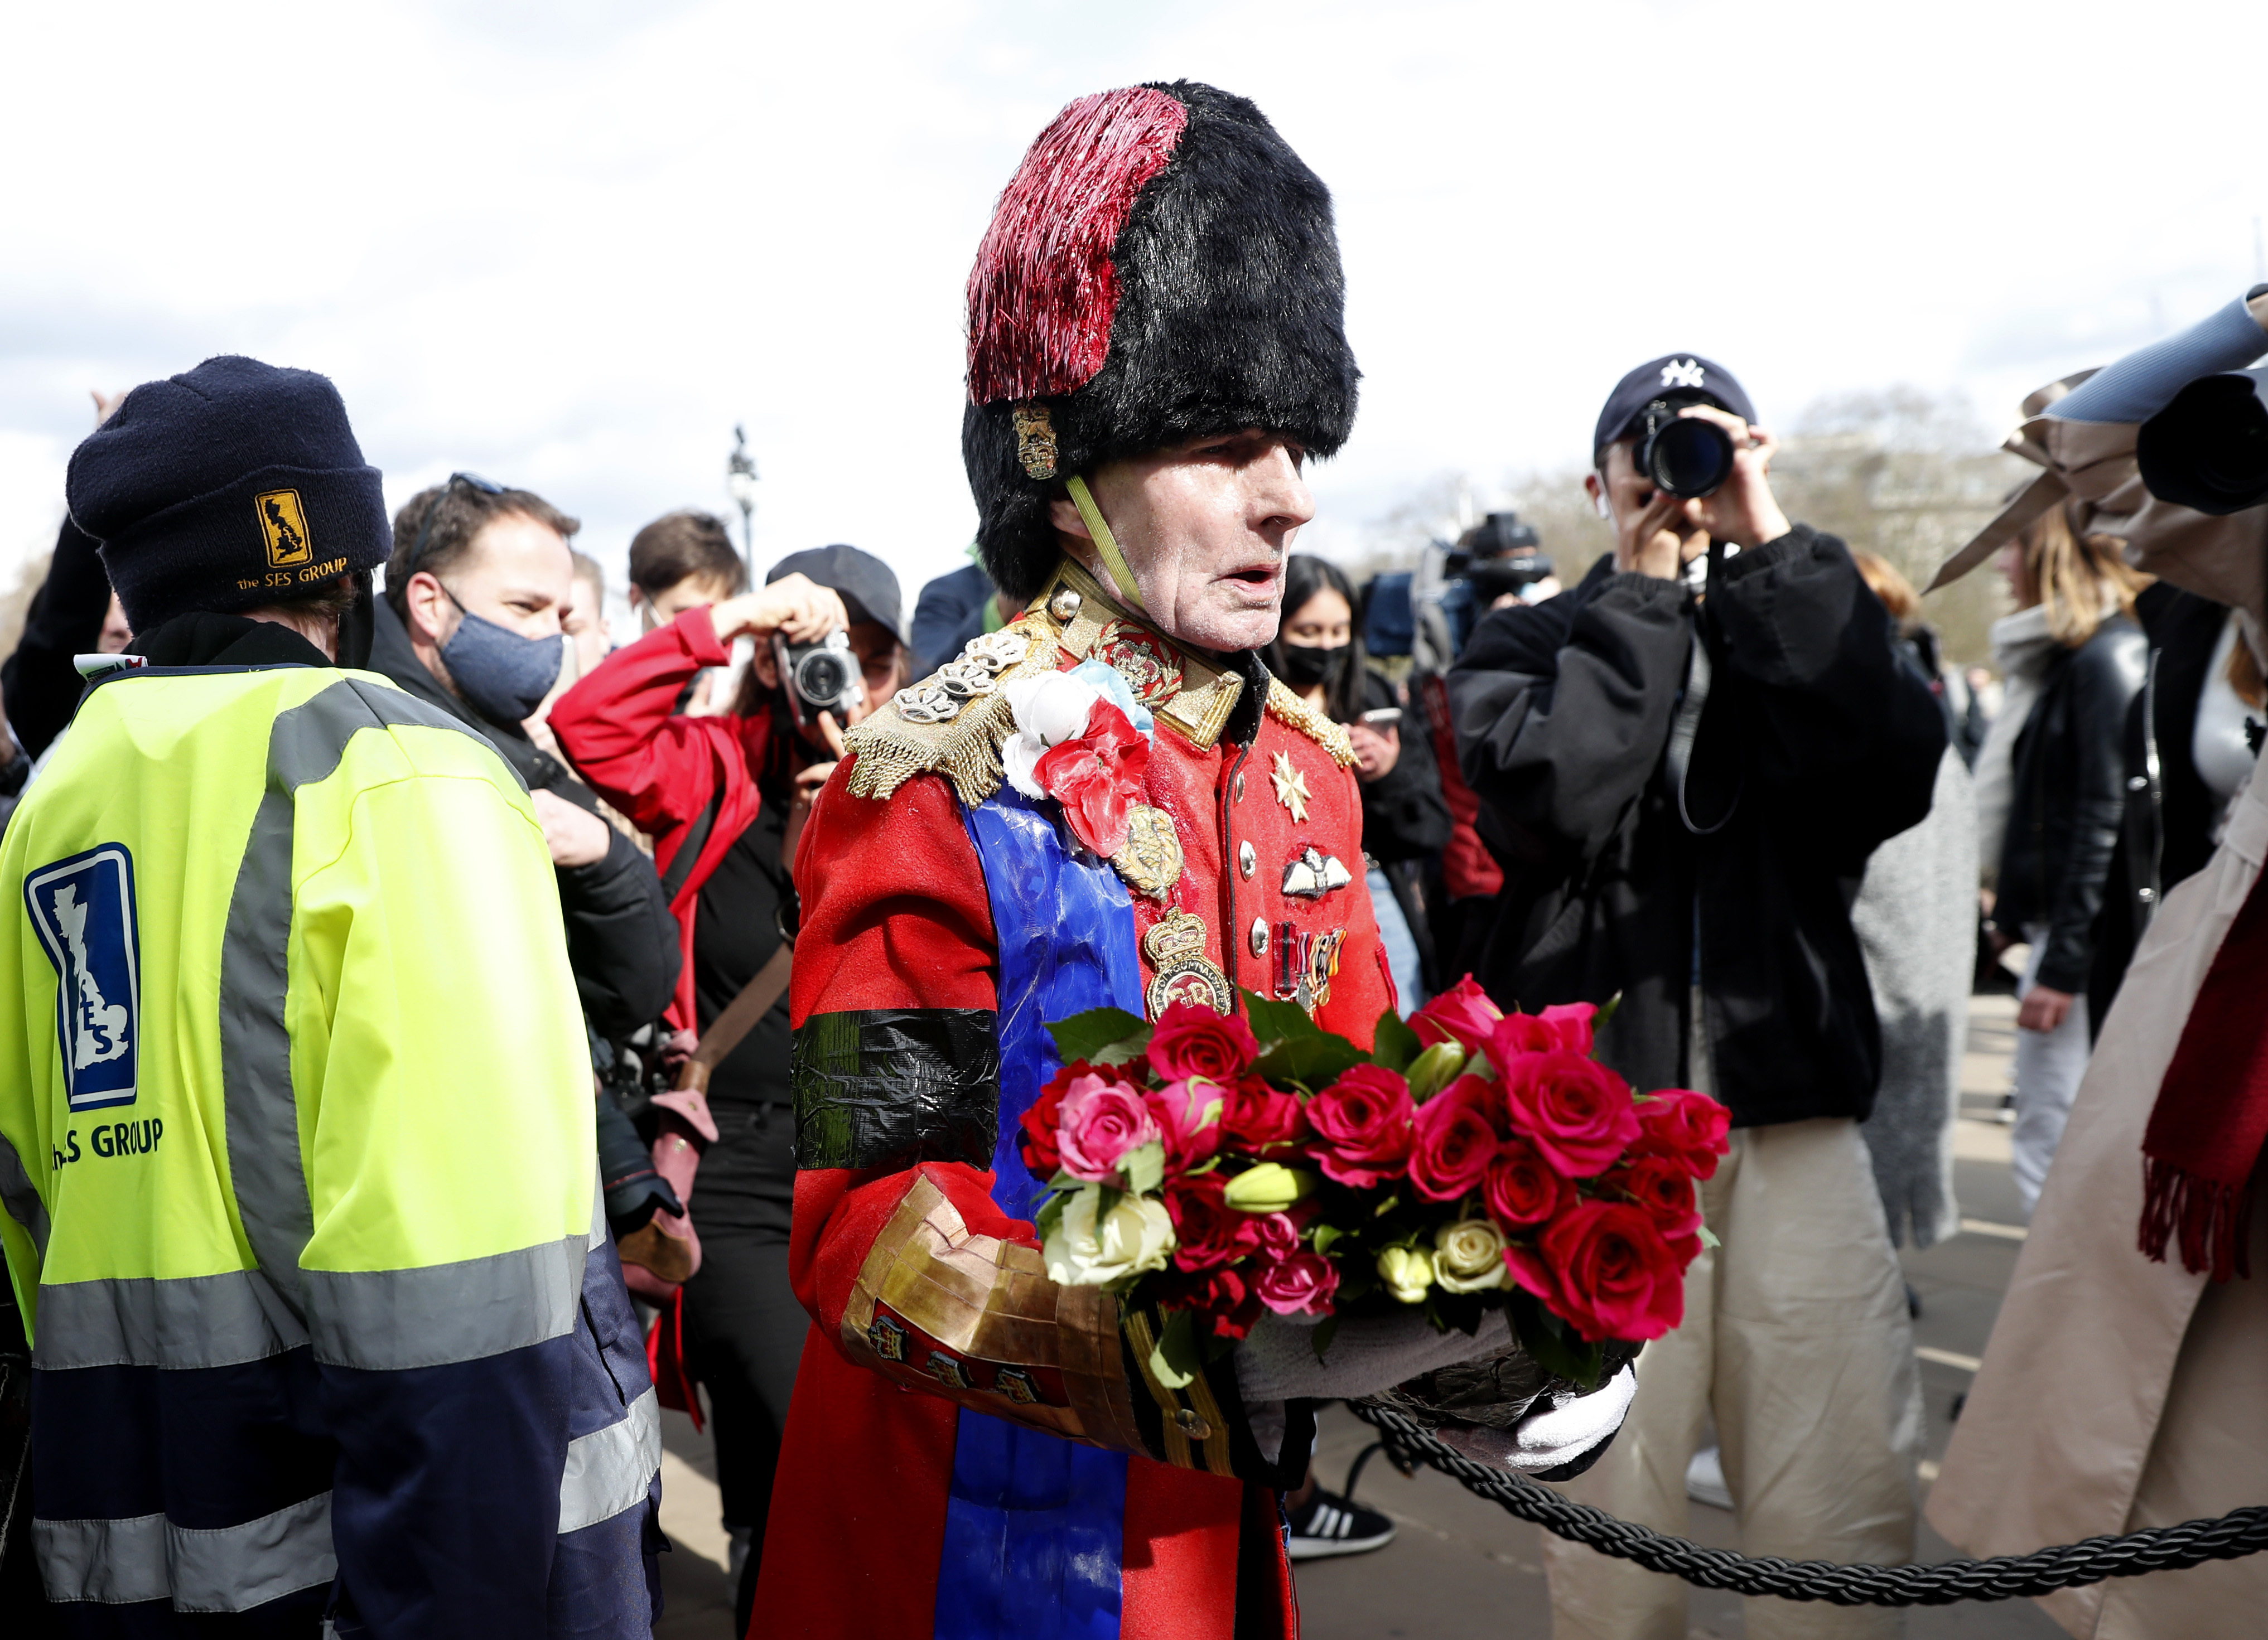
233	485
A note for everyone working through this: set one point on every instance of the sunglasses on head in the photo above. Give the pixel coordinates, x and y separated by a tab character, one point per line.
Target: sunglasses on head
470	480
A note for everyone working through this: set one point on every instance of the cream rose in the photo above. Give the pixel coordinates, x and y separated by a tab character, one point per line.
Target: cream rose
1407	1272
1469	1256
1091	1248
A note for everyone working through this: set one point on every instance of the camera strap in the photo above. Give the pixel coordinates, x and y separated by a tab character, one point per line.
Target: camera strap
1685	728
1105	542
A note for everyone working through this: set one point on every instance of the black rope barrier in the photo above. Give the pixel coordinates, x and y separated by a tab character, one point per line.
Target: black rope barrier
2069	1566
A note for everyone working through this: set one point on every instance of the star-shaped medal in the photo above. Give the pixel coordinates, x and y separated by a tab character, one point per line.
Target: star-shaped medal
1290	787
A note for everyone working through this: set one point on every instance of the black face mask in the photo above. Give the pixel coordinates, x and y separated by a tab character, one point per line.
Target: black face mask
1308	664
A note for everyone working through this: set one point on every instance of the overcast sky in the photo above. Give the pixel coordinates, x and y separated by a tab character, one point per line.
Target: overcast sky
570	244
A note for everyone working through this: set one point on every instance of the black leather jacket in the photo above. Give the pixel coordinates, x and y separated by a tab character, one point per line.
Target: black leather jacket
2067	796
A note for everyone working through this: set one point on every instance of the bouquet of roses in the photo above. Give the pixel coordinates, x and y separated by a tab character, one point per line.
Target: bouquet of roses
1220	1167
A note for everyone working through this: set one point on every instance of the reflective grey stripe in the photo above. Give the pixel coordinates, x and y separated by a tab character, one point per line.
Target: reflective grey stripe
611	1469
180	1323
305	744
386	1320
19	1198
231	1569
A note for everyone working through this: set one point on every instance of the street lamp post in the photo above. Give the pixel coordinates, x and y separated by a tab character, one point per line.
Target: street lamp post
741	483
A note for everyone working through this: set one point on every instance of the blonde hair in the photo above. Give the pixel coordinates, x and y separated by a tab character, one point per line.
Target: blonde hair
2078	577
1897	592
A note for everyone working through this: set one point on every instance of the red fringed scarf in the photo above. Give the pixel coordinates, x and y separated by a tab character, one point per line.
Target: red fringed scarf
2210	1120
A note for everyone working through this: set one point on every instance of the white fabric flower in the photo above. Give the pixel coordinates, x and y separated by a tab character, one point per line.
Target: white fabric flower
1053	708
1091	1248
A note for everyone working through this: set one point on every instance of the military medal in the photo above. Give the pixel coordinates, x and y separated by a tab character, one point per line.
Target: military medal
1176	949
1150	862
1290	787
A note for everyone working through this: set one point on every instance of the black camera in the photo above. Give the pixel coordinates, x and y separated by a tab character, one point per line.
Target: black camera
2208	448
1685	455
1499	554
821	677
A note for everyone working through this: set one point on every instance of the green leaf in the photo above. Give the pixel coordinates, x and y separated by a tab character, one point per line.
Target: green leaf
1553	1344
1606	1011
1101	1036
1050	1215
1277	1021
1313	1061
1394	1044
1709	1241
1386	1207
1144	1167
1326	1234
1176	1359
1320	1338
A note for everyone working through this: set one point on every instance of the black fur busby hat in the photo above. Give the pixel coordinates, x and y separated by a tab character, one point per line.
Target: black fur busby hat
1162	266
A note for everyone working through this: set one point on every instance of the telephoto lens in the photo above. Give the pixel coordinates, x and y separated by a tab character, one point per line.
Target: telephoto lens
1684	454
2209	448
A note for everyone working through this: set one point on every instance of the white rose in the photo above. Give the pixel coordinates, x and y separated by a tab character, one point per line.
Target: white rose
1091	1248
1469	1256
1049	709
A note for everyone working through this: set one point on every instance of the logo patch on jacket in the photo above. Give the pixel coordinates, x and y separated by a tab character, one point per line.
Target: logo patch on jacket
285	523
83	910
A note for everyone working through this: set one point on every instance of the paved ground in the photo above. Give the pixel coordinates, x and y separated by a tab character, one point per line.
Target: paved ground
1461	1567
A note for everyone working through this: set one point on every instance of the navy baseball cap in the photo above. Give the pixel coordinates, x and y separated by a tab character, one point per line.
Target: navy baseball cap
1682	379
870	591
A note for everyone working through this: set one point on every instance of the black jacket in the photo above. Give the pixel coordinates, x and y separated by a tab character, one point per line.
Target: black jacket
621	941
42	684
1403	815
1816	742
2067	791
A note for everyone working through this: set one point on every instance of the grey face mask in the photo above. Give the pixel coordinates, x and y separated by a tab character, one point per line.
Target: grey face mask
502	675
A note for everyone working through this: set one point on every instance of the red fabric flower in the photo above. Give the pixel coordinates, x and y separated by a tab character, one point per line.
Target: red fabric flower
1574	1110
1362	1124
1454	1140
1663	1187
1044	1117
1187	1115
1097	777
1522	1189
1207	1231
1690	1127
1606	1270
1301	1284
1263	1122
1193	1042
1462	1014
1566	1026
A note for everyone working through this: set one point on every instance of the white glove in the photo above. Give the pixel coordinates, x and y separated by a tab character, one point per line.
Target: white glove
1563	1426
1368	1353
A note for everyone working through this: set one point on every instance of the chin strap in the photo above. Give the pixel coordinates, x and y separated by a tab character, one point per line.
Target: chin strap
1105	543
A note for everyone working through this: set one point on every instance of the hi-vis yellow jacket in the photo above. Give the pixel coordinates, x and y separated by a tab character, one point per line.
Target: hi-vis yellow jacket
296	1147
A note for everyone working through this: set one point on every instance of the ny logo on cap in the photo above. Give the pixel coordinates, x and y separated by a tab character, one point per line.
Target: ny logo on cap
1681	374
285	524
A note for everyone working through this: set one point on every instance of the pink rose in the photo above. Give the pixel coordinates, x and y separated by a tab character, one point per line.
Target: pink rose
1045	1117
1572	1109
1661	1186
1454	1140
1522	1189
1101	1121
1277	1234
1189	1120
1190	1041
1362	1124
1462	1014
1605	1269
1261	1121
1301	1284
1693	1128
1567	1024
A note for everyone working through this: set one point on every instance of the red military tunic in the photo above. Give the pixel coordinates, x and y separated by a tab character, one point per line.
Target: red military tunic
898	925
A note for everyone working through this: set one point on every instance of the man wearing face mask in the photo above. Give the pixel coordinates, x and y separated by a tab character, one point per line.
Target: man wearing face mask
480	582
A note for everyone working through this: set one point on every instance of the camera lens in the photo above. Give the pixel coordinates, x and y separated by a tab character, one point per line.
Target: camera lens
1686	456
2209	448
823	676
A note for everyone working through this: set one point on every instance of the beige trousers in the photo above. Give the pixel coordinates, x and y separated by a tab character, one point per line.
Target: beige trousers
1796	1340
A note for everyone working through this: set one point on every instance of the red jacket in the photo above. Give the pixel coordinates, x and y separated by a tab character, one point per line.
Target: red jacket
620	729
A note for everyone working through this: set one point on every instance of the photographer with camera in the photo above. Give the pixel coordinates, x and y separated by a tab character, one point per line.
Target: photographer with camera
1682	781
723	796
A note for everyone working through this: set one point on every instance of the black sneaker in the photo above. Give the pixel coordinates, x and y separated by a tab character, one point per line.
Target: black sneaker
1327	1523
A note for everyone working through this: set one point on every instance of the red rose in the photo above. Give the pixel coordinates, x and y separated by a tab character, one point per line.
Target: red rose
1190	1041
1663	1187
1615	1275
1301	1284
1187	1115
1462	1014
1566	1026
1277	1234
1207	1231
1522	1189
1454	1140
1097	777
1221	1296
1040	1123
1362	1124
1261	1121
1574	1110
1693	1128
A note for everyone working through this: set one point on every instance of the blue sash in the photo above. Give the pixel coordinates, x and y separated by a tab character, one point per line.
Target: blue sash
1034	1524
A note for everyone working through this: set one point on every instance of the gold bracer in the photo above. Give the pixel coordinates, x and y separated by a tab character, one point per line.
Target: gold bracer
976	1320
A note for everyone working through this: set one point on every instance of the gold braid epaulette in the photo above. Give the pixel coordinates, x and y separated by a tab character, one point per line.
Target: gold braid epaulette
907	737
1289	708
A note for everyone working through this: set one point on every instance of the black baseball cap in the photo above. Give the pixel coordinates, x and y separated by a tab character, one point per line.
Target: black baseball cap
870	591
1680	378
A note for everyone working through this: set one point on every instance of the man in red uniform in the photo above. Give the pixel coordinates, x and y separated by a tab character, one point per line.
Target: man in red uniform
975	1451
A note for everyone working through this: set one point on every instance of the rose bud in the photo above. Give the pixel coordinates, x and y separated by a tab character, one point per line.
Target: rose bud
1407	1272
1434	1069
1469	1256
1269	1187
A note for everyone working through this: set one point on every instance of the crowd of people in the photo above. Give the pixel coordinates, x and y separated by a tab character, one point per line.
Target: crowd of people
783	985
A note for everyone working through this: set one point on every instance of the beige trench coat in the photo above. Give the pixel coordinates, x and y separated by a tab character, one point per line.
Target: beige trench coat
2117	1393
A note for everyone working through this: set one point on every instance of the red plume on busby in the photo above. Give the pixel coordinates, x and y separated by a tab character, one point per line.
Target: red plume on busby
1161	266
